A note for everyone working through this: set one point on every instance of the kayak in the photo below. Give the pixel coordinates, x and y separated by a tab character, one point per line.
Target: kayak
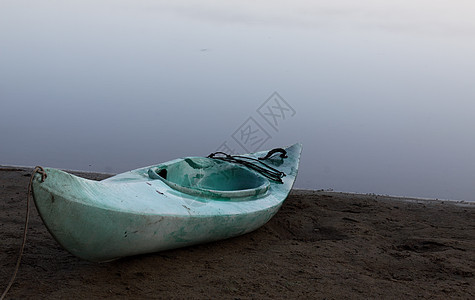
174	204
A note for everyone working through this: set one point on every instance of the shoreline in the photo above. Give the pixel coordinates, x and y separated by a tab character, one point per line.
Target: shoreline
394	197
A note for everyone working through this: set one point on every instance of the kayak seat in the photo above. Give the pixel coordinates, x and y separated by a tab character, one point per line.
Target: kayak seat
206	177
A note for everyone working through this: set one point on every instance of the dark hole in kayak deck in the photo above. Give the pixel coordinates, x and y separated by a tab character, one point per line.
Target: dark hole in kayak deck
163	173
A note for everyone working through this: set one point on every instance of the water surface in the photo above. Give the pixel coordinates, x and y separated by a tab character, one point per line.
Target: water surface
380	95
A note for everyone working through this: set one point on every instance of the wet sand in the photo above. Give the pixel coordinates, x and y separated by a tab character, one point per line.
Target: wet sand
322	245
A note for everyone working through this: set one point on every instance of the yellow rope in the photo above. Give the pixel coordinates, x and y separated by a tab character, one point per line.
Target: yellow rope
41	171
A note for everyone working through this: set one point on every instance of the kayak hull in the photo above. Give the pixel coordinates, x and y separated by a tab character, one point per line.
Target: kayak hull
132	213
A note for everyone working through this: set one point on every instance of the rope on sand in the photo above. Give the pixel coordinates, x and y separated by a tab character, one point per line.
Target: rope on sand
41	171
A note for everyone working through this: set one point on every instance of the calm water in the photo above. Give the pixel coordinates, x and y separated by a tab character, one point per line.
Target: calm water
382	96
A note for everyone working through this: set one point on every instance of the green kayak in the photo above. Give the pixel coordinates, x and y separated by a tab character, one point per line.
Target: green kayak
178	203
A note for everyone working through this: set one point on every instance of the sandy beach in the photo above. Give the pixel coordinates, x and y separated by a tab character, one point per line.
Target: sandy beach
322	245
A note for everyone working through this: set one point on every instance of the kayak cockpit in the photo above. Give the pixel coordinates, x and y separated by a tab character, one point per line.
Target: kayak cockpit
206	177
